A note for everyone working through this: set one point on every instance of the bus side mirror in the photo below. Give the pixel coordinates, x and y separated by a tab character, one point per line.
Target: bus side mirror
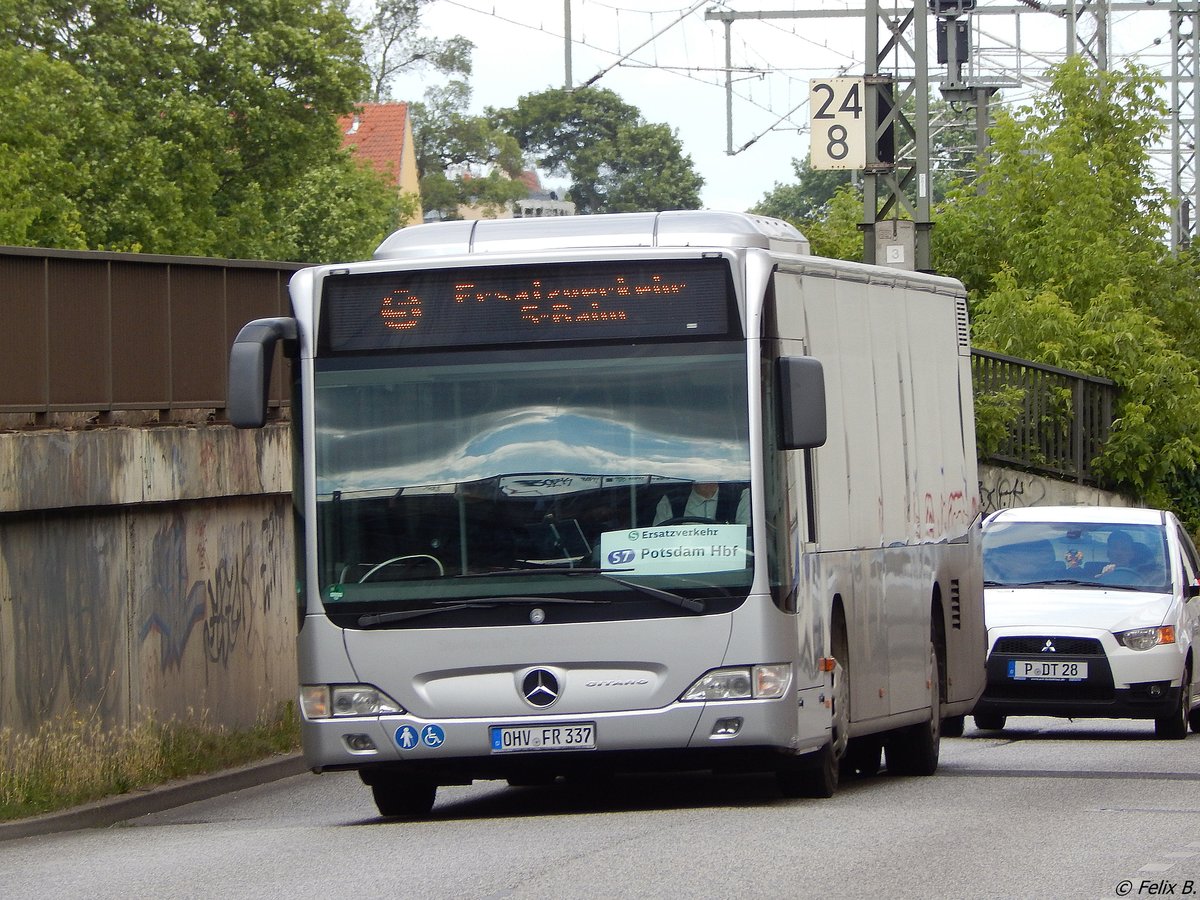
801	386
250	362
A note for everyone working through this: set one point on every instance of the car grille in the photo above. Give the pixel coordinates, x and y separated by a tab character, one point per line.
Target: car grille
1067	646
1098	688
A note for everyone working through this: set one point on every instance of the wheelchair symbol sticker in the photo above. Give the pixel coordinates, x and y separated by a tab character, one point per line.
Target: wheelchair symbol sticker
433	736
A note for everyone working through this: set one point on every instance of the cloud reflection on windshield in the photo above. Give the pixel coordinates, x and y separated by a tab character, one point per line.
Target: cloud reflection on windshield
538	440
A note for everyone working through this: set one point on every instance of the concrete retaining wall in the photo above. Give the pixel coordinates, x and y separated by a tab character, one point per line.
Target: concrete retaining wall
146	572
1009	488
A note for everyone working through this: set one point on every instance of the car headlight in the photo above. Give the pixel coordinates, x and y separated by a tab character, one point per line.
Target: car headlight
742	683
1145	638
323	701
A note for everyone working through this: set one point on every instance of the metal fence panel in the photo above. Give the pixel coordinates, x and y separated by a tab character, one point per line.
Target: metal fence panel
141	320
23	335
1063	419
88	331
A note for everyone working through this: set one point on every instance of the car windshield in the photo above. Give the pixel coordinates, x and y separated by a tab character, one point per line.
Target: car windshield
1088	554
459	478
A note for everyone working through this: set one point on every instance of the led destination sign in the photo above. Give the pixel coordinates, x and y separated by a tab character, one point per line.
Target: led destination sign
503	305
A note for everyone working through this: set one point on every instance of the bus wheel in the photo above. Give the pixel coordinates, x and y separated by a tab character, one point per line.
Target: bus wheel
403	798
813	775
914	750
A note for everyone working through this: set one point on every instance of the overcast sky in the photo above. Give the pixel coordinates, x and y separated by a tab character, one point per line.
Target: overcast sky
667	59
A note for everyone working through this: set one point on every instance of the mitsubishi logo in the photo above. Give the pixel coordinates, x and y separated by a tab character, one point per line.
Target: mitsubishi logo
1049	648
539	688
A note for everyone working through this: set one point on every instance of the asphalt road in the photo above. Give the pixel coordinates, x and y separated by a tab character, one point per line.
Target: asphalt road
1049	808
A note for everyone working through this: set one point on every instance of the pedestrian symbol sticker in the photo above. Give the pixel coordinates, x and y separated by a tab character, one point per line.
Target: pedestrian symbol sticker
432	736
406	737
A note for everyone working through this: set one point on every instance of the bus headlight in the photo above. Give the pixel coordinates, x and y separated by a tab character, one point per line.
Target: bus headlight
742	683
1145	638
323	701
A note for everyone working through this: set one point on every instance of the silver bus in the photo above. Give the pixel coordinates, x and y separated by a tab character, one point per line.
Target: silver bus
626	493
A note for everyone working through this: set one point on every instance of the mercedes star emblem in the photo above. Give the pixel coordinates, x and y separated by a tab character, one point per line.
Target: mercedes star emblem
539	688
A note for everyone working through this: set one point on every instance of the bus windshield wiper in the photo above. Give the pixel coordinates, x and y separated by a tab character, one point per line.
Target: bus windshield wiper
400	615
696	606
688	603
542	570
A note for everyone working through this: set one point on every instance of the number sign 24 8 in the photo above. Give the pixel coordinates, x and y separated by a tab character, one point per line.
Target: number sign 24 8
837	125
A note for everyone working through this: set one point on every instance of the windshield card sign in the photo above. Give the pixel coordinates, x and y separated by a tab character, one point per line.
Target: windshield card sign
675	549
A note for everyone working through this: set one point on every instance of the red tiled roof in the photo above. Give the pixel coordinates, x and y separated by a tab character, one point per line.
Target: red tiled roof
377	134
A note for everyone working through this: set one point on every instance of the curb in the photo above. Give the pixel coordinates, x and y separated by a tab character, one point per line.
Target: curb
111	810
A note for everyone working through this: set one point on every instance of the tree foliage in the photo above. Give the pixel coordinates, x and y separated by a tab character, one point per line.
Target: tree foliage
394	42
179	126
1064	258
615	159
41	185
807	199
463	159
836	234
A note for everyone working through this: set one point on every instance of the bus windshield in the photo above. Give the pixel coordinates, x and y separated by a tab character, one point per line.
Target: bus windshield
608	473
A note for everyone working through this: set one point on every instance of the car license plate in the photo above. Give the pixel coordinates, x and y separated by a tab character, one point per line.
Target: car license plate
1047	670
524	738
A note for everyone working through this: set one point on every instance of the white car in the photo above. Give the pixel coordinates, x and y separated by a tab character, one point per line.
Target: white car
1092	612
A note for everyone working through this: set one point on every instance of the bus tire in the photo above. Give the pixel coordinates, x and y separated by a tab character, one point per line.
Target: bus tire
915	750
813	775
397	798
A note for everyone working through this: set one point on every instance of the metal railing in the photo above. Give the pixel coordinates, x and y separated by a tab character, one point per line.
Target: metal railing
1057	420
101	332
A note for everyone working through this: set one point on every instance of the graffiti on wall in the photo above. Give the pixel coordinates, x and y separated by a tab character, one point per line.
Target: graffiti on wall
1010	490
225	600
173	611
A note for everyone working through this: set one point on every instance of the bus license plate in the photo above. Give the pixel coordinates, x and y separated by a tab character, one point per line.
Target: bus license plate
524	738
1046	670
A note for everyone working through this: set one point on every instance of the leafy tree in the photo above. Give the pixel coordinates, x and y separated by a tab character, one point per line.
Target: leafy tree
452	146
616	160
37	179
806	200
836	234
341	211
1064	259
393	43
188	123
